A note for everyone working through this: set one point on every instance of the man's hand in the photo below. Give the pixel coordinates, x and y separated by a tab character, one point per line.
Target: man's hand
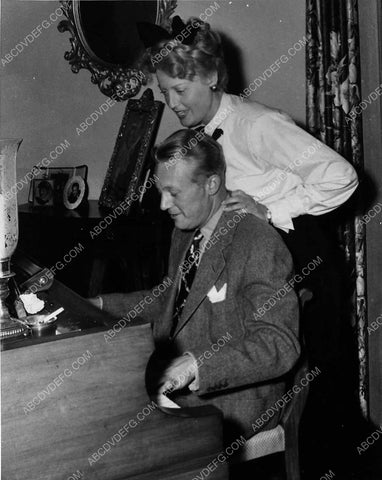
180	373
238	200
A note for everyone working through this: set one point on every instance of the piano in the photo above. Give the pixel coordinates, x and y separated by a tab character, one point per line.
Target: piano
75	405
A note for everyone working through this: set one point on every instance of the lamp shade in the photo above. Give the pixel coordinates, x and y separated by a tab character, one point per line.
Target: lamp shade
8	197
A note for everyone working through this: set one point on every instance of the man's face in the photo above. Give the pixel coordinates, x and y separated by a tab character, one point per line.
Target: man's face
188	203
191	100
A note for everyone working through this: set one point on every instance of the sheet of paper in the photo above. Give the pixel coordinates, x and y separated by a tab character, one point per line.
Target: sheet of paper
165	402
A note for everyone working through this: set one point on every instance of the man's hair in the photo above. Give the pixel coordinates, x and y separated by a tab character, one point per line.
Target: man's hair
190	145
203	57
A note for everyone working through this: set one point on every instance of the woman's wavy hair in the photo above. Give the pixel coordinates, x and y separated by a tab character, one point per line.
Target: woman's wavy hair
203	57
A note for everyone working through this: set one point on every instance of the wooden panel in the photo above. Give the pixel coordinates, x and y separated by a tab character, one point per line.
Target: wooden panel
101	389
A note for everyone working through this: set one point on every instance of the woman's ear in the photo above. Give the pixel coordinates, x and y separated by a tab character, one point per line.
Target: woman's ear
212	79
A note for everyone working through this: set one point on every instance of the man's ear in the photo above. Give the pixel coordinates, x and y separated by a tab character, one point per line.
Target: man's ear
213	184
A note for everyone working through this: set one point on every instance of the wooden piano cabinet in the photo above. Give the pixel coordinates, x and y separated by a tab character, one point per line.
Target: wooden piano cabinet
76	403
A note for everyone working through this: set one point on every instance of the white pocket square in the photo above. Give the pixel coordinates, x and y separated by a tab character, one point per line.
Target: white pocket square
217	296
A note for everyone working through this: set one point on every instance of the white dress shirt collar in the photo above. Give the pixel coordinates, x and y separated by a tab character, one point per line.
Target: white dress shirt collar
209	227
225	108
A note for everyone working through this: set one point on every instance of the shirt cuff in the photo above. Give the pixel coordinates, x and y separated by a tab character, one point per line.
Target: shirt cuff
283	211
194	385
281	218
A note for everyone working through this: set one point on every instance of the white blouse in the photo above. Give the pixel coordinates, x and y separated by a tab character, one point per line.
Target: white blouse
279	164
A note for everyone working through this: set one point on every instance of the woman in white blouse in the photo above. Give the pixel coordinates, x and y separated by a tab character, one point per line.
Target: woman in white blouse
284	171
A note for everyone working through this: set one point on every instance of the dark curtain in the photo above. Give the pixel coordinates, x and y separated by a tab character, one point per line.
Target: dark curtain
333	89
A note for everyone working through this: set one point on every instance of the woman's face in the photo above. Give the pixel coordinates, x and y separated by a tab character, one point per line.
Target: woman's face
193	101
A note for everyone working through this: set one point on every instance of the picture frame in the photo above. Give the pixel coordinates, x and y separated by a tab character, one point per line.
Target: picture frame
131	160
43	192
74	192
60	177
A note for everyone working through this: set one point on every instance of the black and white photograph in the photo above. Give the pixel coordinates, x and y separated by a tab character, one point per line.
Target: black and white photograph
74	192
43	193
191	225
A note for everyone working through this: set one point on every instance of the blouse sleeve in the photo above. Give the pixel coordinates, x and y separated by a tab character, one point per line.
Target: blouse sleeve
327	180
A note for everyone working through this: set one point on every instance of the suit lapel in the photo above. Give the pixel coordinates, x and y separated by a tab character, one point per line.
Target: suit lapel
211	266
180	244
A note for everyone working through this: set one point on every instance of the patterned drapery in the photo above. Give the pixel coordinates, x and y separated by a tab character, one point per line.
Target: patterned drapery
333	90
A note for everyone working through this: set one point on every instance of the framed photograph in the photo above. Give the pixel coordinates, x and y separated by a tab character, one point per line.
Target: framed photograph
131	160
60	177
74	192
43	193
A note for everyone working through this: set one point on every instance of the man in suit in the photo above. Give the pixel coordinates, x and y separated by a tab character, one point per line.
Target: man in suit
220	342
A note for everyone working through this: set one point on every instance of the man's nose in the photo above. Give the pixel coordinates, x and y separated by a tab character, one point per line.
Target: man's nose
165	201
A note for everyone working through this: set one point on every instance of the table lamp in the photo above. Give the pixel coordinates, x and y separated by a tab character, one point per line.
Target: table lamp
8	231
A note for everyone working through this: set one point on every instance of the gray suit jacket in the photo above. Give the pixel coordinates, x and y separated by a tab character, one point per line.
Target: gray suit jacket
244	350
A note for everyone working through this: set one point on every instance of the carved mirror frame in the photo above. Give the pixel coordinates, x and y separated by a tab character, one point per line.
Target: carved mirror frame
116	81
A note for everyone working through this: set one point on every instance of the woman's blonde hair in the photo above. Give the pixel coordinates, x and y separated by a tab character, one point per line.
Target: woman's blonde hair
202	57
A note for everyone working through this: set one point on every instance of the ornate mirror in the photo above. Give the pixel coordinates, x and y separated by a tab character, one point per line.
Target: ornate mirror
104	40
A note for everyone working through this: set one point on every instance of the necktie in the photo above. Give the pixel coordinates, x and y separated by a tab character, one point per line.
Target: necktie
217	133
188	271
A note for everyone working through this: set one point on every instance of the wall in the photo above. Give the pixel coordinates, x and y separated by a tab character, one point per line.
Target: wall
43	102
